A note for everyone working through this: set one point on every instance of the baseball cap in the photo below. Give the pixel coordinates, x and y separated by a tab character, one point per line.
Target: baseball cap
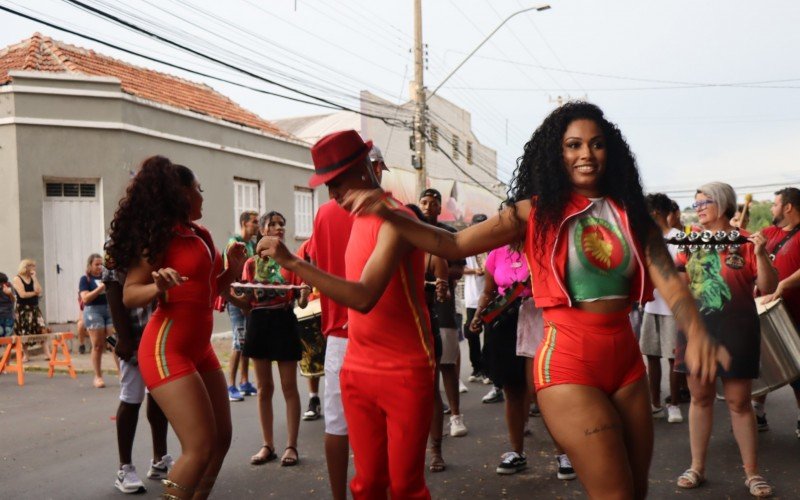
477	218
376	155
433	193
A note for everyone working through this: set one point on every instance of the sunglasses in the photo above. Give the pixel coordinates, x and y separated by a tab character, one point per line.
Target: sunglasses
697	205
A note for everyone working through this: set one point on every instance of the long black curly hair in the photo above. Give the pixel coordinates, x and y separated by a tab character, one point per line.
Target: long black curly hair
154	203
540	173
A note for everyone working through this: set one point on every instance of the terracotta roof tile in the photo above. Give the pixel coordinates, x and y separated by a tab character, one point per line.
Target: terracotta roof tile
42	53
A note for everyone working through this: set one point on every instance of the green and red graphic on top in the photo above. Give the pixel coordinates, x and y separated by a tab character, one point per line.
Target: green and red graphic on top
601	246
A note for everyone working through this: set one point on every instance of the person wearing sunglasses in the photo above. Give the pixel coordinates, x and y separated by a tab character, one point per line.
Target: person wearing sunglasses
722	278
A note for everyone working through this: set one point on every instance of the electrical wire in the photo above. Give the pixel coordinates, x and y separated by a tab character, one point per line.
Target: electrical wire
184	48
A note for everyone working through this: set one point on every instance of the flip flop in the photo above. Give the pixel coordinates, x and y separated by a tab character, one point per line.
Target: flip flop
261	460
690	479
290	461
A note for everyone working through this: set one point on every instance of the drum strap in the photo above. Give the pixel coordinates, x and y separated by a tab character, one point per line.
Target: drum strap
777	248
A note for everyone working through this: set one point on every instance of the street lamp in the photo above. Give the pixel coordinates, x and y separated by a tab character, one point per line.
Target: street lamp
537	8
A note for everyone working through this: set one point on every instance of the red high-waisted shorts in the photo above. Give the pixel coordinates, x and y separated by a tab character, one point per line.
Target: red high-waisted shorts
175	343
579	347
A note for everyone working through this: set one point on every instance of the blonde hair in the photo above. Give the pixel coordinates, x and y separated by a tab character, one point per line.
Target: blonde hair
23	266
723	196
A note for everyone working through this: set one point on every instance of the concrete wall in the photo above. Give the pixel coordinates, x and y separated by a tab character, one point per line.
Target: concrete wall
9	191
88	129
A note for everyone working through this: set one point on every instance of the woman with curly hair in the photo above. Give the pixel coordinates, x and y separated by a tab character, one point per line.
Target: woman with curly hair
576	202
169	257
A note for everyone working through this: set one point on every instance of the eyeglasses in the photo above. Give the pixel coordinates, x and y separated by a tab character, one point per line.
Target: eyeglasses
702	204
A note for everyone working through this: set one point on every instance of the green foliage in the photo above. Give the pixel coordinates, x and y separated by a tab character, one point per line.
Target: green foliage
760	216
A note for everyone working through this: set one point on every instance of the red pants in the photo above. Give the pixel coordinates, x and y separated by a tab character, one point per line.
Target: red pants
579	347
389	417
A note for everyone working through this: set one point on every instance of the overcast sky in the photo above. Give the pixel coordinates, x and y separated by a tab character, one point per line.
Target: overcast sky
702	90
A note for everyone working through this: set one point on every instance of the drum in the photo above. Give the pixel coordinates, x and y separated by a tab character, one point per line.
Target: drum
312	363
780	350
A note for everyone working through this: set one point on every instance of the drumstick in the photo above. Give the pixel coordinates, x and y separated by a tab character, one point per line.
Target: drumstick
748	198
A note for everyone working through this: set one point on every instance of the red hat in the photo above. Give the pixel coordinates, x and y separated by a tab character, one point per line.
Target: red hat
335	153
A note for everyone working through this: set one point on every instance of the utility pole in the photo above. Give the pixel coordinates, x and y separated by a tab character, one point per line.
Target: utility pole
420	116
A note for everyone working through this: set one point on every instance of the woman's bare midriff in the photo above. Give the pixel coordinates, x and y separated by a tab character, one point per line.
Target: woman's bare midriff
603	306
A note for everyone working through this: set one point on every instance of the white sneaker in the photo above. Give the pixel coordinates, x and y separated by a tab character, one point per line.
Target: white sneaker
658	411
565	470
161	469
457	427
674	415
127	480
461	387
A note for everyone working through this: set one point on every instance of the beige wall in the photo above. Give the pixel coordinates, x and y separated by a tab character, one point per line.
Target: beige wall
88	129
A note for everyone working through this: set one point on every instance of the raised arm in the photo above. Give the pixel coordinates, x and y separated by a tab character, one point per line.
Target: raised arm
360	295
506	227
236	254
145	282
766	274
702	353
88	297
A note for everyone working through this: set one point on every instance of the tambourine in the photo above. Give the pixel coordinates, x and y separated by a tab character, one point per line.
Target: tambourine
709	241
263	290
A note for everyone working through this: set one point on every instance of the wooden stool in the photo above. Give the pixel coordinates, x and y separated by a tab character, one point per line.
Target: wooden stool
60	342
13	343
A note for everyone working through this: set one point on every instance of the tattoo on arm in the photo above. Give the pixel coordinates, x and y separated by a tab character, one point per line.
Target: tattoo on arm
660	257
685	311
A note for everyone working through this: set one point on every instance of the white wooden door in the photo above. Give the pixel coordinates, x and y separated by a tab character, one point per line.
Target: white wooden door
73	230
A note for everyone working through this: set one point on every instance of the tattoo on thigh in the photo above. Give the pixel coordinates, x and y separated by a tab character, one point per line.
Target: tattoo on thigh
599	429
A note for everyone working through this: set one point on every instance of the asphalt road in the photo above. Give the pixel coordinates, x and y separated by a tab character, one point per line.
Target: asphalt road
57	440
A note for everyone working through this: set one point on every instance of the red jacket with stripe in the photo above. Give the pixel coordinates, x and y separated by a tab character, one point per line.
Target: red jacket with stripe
548	267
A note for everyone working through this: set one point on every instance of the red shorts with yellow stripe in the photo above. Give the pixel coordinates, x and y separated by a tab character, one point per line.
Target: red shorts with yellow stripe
176	343
579	347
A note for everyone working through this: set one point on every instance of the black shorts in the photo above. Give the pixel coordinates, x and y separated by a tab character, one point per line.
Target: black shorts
500	359
273	334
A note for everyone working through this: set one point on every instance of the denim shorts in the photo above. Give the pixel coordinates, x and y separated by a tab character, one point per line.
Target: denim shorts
6	327
238	327
96	317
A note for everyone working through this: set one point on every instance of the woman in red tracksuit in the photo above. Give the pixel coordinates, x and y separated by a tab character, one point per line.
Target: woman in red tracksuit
169	257
576	201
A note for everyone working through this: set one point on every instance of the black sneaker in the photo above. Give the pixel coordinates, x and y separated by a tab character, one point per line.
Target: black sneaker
445	409
565	470
512	462
476	376
313	411
761	423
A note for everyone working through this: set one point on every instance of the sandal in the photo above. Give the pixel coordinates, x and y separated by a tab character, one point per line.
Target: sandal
758	486
437	462
690	479
290	461
258	459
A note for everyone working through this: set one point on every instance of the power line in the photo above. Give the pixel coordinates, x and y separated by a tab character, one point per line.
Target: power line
168	41
161	61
